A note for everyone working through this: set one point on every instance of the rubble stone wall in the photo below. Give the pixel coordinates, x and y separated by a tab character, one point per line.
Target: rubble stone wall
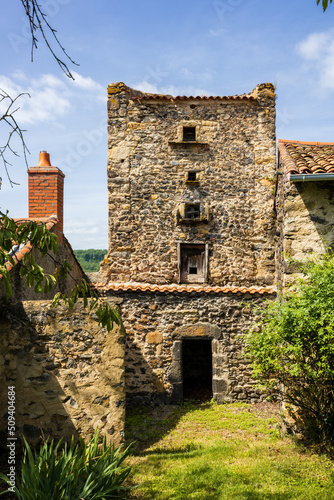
156	324
68	372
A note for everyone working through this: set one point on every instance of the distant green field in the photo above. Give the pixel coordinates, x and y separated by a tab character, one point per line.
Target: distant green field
90	259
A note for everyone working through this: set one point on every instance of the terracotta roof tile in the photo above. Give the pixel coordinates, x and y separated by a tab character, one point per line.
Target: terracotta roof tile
163	97
307	157
149	287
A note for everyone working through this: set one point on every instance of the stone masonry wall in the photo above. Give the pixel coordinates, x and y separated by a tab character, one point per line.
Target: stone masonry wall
148	163
68	372
305	214
156	323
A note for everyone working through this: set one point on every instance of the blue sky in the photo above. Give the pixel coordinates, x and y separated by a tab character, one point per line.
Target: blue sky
197	47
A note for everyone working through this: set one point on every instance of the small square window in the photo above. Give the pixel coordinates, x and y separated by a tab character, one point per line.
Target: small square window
192	176
192	211
189	134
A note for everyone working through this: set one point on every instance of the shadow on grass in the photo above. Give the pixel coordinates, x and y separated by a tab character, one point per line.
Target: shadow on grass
144	425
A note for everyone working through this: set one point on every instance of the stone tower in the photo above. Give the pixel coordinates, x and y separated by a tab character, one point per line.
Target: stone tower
191	230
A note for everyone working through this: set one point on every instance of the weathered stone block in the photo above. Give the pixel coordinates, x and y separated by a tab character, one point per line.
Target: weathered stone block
154	337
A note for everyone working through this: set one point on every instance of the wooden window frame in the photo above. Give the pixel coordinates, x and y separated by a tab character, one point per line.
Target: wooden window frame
188	277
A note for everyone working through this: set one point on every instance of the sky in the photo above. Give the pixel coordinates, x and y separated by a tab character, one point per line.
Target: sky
197	47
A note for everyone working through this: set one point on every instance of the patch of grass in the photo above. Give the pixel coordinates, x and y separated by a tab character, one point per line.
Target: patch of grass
226	452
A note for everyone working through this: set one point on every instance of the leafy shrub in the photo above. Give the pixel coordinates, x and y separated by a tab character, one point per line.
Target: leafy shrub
293	350
77	471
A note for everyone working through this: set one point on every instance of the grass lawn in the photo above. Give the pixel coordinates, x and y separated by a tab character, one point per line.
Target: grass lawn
226	452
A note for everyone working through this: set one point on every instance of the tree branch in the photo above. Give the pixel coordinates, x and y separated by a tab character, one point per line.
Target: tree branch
14	130
38	22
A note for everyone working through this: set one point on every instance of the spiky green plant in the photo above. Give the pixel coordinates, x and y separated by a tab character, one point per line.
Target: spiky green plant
55	472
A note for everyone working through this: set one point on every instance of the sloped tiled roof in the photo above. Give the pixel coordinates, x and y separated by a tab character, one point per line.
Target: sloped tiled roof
307	157
149	287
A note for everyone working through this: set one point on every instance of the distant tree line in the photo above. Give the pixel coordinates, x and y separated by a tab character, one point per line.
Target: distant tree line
90	259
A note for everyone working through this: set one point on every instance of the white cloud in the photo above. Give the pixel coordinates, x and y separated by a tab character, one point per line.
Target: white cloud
86	83
47	100
145	86
86	233
19	75
89	85
188	91
50	96
314	46
317	50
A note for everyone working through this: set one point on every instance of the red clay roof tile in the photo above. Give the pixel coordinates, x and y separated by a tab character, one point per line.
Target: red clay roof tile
307	157
149	287
161	97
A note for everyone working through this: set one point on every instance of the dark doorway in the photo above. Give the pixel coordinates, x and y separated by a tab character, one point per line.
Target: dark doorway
197	369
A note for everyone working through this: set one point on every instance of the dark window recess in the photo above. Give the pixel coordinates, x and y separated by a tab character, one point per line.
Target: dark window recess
197	369
192	211
189	133
192	176
192	263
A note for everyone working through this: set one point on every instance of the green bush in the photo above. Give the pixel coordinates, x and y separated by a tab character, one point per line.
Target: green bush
78	471
292	350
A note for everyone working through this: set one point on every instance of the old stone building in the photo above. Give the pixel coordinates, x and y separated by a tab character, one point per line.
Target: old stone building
191	236
201	228
304	204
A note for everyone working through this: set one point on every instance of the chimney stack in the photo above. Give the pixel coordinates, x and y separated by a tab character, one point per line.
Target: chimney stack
46	192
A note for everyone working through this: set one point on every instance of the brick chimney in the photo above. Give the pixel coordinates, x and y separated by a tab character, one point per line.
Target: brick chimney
46	192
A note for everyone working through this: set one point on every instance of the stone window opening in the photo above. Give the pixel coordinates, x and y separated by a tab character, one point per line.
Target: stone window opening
192	176
189	134
192	211
193	262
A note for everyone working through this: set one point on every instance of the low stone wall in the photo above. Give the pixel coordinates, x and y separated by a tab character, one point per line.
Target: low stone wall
156	325
68	372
